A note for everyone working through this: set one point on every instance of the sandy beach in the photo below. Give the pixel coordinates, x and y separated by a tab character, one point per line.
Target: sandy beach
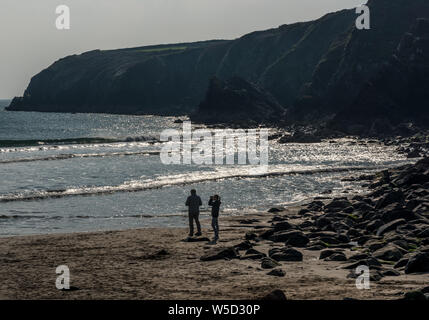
158	264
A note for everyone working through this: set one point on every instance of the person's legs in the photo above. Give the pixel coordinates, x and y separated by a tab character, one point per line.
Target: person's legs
215	225
197	222
191	224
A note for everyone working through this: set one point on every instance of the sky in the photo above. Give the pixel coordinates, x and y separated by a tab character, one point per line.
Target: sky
30	41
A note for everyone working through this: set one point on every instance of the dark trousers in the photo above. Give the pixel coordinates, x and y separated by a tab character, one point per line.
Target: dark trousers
215	225
192	217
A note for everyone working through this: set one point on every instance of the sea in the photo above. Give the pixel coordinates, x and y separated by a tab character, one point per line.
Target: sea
63	172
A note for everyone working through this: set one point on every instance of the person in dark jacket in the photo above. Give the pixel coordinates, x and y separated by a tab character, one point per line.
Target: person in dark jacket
215	203
193	203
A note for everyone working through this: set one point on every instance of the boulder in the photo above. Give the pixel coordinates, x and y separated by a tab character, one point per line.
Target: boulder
401	263
374	245
268	263
256	256
398	213
322	222
282	226
253	251
418	263
362	207
374	225
220	253
316	206
371	262
424	233
326	253
338	256
388	253
288	254
283	236
391	197
275	295
298	240
303	211
359	256
391	273
276	273
390	226
266	234
375	276
412	178
245	245
250	235
337	205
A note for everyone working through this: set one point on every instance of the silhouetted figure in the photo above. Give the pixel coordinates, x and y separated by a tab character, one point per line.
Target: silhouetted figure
194	202
215	203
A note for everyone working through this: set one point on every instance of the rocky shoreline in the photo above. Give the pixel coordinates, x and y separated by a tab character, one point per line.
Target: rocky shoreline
413	144
386	229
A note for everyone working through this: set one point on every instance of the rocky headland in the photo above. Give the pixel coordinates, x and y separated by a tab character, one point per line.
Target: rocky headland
326	73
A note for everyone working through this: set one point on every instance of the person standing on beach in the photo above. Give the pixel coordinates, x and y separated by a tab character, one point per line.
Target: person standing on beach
193	203
215	203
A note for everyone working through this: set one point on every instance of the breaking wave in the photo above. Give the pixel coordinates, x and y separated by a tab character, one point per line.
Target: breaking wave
173	180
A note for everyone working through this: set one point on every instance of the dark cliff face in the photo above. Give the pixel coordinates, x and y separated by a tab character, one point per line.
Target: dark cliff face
398	93
173	79
143	80
237	101
315	69
355	57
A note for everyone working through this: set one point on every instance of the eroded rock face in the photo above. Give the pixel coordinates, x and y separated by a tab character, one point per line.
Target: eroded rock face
397	93
235	101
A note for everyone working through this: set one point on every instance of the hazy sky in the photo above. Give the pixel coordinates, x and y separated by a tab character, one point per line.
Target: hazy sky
30	42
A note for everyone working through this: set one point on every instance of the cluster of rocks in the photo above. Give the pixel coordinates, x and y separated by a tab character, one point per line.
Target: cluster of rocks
304	133
387	229
413	146
409	139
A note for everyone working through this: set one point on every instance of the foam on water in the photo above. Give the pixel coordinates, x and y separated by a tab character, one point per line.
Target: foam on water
58	176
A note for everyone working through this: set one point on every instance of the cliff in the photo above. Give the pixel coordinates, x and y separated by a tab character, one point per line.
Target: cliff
237	101
173	79
398	93
315	69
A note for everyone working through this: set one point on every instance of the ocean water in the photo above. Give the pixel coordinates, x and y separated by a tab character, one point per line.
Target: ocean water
88	172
